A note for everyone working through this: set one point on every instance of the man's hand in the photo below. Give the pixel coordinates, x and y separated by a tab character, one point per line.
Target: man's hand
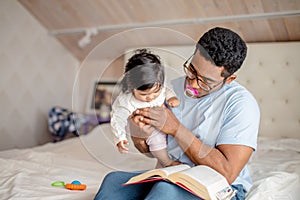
138	128
160	117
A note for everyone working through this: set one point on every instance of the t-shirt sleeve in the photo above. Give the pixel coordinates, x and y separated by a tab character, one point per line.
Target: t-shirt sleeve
241	122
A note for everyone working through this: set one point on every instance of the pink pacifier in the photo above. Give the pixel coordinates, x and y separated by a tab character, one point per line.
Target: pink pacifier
191	91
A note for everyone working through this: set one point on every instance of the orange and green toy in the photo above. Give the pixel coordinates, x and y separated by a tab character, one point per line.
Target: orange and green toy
75	185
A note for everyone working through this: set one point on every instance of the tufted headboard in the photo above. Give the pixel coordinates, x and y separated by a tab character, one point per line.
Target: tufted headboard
271	72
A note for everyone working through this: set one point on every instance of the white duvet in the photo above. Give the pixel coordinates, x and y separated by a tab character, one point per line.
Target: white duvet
28	173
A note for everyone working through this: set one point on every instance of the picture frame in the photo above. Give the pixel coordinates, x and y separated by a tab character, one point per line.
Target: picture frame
100	100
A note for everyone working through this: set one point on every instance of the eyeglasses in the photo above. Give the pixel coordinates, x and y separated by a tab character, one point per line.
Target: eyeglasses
192	74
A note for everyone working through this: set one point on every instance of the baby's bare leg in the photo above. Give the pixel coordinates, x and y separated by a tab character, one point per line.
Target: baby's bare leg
162	157
157	142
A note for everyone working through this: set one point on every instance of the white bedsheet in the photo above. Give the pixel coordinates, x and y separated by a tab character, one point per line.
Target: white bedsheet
28	173
275	170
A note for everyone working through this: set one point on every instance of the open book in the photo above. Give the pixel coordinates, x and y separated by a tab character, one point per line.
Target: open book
200	180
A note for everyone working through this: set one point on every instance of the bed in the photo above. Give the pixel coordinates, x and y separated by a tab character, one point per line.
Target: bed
275	166
28	173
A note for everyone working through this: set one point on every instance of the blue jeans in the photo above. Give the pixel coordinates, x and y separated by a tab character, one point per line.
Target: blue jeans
112	188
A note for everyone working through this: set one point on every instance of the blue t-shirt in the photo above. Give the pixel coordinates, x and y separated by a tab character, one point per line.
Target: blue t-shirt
227	116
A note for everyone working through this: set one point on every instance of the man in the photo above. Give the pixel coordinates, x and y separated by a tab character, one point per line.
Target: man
216	123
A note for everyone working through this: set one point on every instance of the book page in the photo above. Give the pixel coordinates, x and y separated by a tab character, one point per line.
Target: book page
201	180
156	173
190	185
206	175
173	169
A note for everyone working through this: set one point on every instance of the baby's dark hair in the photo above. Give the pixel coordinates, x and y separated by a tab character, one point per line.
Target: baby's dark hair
223	47
142	71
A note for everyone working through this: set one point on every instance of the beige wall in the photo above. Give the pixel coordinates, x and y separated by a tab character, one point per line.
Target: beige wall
36	73
91	71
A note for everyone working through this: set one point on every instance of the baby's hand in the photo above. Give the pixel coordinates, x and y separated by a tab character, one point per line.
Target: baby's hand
173	102
122	146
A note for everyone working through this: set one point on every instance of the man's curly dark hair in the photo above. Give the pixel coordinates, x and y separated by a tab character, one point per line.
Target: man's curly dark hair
223	47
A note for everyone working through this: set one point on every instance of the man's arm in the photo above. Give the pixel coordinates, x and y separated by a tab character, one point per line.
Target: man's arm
139	135
142	146
227	159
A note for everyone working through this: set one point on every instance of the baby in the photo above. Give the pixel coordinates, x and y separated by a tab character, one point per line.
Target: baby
142	86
